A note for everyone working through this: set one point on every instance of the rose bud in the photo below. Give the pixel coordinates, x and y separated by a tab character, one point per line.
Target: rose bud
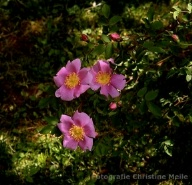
115	37
113	105
84	37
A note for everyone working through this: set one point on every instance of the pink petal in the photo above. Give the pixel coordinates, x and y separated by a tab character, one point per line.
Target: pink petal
111	60
104	66
65	93
89	129
62	71
112	91
104	90
109	89
85	76
81	119
96	68
118	81
69	142
74	66
66	124
80	90
95	86
60	77
87	143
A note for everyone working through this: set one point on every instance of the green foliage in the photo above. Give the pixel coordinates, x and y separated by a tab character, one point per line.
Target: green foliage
149	131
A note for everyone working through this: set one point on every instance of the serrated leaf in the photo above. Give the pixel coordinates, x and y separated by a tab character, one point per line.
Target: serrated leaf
142	92
98	49
105	38
108	50
115	19
154	109
151	95
105	11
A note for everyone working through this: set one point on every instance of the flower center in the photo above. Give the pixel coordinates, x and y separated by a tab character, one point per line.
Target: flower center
103	78
72	80
77	133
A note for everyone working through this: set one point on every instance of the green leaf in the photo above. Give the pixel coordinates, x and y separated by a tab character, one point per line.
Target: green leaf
101	149
48	129
142	107
98	49
151	95
112	113
156	49
148	44
100	111
105	38
115	19
150	13
188	78
105	10
154	109
111	179
176	8
108	50
168	150
157	25
168	142
142	92
43	103
51	120
175	14
189	7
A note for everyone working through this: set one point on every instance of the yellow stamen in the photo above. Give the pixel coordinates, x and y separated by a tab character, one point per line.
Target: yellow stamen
77	133
72	80
103	78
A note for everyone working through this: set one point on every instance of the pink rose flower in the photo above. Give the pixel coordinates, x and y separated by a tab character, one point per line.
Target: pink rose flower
104	78
71	80
77	130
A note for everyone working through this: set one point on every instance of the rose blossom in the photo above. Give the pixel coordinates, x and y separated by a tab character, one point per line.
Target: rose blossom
77	130
71	80
104	78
